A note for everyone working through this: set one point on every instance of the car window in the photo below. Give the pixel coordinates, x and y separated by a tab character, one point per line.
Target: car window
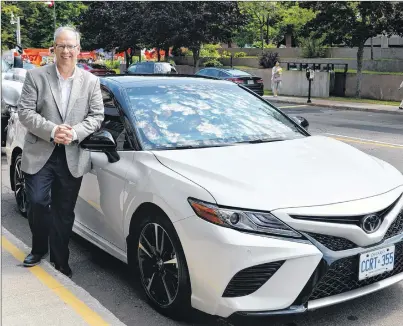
222	74
214	72
113	122
204	114
132	68
235	72
145	68
203	72
97	66
162	68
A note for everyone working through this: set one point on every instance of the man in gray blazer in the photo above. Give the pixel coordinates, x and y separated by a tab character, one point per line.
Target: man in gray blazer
60	106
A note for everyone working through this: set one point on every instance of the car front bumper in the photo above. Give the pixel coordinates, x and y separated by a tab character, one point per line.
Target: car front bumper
303	281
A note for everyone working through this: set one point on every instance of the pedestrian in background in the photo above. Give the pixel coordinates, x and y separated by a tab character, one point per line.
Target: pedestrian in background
60	106
401	103
276	78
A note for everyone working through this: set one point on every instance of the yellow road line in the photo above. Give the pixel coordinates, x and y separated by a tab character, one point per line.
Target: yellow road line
90	316
291	106
367	142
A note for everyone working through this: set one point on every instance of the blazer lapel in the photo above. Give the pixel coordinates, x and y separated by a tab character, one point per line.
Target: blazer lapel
75	90
54	86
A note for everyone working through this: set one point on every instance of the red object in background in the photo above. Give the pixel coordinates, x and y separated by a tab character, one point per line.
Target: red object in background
50	3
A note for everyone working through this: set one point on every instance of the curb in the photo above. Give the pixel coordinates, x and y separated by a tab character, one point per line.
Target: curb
336	106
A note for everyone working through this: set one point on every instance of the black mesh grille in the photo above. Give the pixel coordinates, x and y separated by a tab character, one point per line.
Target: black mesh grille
251	279
342	276
396	228
332	242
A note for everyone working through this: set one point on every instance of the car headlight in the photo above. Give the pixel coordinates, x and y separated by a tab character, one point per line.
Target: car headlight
260	222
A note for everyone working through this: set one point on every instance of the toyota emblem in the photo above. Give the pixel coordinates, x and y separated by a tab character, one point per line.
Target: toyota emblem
371	223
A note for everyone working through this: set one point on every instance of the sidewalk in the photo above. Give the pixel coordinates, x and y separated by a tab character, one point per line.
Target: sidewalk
356	106
40	295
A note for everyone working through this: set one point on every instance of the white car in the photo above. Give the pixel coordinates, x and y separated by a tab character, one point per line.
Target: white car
223	203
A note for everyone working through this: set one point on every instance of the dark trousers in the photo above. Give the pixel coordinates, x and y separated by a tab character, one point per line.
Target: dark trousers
51	197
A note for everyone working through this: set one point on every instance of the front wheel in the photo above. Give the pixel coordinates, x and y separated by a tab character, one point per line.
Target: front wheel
19	187
162	267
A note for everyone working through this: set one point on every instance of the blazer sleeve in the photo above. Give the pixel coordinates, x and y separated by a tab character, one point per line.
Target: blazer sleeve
27	111
95	116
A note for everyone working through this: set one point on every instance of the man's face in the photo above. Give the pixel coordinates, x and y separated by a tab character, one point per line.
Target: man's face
67	48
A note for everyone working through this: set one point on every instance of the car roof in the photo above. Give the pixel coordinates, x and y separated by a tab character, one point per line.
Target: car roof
231	71
128	81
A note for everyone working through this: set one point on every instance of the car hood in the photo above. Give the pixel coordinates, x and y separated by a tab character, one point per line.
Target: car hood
311	171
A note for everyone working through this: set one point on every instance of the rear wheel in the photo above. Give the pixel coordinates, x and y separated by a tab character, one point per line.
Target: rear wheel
162	267
19	187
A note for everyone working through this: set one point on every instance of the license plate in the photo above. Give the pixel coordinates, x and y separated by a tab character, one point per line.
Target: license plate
376	262
251	82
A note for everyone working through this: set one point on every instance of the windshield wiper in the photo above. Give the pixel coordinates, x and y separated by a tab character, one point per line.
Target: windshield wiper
190	147
261	140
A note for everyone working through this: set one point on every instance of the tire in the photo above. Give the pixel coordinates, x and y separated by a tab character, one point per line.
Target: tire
19	187
161	267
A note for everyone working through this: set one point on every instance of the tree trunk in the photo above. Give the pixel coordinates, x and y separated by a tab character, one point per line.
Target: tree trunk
127	59
158	54
372	49
196	58
262	38
268	29
166	49
360	55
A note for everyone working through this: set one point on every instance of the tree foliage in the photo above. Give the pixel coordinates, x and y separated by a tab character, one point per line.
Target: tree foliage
353	23
37	23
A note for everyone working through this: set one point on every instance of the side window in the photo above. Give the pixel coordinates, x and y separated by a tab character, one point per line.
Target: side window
132	68
113	122
213	72
223	74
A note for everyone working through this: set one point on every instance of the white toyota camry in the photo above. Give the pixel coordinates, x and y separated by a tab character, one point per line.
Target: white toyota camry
223	203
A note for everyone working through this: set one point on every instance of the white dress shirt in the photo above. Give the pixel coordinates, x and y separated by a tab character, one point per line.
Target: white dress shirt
65	86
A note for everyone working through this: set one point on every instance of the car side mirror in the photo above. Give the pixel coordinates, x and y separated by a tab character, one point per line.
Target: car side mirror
302	122
102	141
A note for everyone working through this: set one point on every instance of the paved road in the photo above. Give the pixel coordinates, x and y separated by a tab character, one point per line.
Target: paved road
109	280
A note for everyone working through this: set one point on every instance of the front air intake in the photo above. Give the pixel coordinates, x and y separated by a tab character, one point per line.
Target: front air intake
249	280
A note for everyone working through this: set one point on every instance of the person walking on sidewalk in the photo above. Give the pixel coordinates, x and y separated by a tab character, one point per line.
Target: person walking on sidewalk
401	103
60	105
276	78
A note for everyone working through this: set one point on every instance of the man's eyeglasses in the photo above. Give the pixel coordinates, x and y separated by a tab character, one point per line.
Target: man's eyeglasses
63	46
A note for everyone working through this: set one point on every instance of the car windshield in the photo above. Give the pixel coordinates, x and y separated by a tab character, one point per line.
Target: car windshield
201	115
145	68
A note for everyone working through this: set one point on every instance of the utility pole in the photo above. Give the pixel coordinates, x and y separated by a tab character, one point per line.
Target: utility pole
54	14
18	32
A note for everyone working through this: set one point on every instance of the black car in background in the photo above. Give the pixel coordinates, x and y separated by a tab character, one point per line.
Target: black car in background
237	76
151	67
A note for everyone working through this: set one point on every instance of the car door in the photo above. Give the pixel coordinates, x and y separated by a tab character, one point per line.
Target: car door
99	207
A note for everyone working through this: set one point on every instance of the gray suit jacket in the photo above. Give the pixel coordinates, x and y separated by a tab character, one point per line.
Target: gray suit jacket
38	111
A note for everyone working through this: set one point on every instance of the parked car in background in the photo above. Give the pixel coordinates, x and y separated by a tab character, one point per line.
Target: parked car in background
151	67
237	76
96	68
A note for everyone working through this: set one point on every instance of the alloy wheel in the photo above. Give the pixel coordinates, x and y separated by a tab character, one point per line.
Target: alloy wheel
19	182
158	265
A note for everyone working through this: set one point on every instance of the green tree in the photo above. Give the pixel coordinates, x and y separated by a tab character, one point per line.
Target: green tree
353	23
37	23
205	22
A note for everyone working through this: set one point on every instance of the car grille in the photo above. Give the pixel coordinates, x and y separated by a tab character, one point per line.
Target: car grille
339	244
332	242
251	279
396	228
342	276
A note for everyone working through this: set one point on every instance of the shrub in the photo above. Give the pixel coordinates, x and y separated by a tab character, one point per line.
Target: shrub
268	59
225	54
188	53
209	51
212	63
312	47
112	65
240	55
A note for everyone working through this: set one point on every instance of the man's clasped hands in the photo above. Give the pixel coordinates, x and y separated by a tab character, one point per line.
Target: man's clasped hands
63	134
